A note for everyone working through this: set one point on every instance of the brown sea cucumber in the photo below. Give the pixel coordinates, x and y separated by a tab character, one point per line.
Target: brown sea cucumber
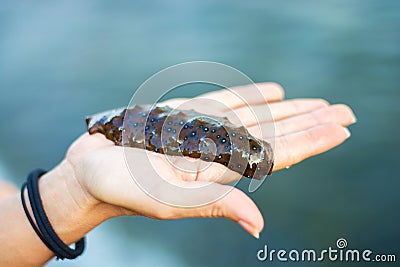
186	133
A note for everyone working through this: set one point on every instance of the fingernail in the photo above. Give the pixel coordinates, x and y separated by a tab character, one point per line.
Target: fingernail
249	228
256	235
353	119
348	134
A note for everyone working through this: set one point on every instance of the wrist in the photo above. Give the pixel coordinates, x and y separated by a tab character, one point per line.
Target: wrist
72	211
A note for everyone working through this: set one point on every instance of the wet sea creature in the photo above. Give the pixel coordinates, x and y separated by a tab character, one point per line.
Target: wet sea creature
185	133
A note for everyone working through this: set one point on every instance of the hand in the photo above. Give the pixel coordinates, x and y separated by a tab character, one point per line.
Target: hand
303	128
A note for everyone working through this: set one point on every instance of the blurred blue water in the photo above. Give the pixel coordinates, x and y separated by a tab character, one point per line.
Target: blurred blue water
62	60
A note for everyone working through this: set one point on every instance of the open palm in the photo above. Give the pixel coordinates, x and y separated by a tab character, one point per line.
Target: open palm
301	128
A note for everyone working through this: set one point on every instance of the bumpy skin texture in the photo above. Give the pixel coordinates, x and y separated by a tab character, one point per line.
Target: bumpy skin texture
185	133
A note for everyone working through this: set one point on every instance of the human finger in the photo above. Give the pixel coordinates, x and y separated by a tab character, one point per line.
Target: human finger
250	115
295	147
251	94
229	203
339	114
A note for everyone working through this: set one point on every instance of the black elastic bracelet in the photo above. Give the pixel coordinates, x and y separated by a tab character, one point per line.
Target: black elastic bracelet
43	227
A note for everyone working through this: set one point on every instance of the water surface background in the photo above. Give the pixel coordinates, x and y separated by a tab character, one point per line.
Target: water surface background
62	60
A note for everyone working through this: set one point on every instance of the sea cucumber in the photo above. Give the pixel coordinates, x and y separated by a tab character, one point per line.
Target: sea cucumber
185	133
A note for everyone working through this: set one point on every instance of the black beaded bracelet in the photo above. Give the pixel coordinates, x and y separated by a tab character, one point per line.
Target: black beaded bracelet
43	227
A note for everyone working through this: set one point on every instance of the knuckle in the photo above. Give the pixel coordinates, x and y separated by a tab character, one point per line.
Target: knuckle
216	210
166	213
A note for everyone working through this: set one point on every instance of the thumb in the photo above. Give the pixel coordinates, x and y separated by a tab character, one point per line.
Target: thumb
234	205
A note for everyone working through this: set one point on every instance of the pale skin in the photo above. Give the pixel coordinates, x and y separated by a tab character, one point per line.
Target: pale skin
93	184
